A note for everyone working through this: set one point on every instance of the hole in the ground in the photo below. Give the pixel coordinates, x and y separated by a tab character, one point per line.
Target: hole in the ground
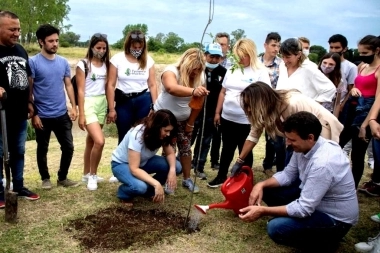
120	228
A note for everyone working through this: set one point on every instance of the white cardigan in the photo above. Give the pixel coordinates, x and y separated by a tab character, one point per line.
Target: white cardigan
309	80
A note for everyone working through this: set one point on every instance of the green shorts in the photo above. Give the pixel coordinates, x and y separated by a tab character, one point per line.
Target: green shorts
95	109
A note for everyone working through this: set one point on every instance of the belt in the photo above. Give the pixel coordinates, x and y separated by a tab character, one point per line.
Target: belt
134	94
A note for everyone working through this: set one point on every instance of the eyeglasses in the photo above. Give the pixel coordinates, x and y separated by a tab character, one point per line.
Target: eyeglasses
137	35
100	35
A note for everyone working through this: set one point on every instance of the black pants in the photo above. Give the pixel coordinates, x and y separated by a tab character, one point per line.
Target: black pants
61	126
233	135
215	146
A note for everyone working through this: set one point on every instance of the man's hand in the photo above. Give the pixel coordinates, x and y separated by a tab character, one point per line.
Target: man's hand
1	92
256	195
251	213
30	110
237	166
36	122
73	114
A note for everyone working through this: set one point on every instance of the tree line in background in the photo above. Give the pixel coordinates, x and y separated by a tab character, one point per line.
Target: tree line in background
33	13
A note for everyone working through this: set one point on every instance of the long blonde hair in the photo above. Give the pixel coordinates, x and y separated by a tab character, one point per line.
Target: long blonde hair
244	47
262	105
192	59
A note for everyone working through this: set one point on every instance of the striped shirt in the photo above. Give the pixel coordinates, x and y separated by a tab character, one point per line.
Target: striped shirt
327	184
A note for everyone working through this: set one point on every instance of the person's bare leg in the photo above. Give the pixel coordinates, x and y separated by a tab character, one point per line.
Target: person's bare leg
95	131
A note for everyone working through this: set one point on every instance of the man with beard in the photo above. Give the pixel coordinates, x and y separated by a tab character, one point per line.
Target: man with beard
49	72
14	75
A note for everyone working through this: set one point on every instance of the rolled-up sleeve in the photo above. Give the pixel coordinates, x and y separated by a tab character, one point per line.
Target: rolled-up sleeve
254	135
325	88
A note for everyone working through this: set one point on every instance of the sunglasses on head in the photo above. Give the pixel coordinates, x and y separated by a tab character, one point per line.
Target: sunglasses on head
100	35
137	36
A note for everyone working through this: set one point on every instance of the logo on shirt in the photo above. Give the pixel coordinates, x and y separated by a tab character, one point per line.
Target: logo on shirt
250	80
93	77
128	72
16	72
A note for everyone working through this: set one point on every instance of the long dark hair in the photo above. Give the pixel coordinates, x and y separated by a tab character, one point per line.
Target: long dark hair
143	58
152	132
97	37
336	75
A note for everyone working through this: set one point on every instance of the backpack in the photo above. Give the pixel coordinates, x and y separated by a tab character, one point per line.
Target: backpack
74	81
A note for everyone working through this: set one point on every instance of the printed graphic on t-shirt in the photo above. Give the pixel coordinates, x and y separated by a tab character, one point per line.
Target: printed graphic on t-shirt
95	77
16	71
139	72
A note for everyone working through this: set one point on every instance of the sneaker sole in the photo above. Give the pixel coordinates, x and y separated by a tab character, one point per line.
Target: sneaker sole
99	180
74	185
92	189
214	186
372	194
28	198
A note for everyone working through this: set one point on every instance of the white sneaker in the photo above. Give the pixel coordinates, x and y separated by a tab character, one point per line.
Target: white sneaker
85	178
366	246
113	179
92	183
5	183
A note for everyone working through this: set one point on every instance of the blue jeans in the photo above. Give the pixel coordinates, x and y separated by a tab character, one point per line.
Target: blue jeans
208	133
61	126
16	147
376	156
316	233
131	110
132	186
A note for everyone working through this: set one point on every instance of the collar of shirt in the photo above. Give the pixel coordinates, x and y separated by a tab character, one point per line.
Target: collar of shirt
314	149
276	61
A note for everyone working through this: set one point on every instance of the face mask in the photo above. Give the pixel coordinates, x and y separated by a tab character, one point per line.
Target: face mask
367	59
306	52
327	70
136	53
211	66
97	54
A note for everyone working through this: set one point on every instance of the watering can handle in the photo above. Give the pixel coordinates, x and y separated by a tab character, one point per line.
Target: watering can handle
247	170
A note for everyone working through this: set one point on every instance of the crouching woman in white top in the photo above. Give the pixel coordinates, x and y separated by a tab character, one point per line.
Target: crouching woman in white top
135	159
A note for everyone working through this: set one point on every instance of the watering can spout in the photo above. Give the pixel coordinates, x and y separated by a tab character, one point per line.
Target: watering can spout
203	209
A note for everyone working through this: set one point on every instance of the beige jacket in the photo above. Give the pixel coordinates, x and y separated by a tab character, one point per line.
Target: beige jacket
331	127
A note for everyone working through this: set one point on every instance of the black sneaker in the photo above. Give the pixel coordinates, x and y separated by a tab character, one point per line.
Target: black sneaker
215	166
25	193
216	182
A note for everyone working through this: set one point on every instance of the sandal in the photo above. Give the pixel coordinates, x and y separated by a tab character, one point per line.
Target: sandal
376	218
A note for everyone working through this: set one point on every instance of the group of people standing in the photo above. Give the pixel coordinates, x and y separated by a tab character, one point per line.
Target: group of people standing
203	100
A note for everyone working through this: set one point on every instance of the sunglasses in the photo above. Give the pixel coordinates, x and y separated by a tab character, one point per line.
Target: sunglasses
100	35
137	36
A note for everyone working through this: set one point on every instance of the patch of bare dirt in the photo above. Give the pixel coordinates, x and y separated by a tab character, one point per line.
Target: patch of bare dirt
119	228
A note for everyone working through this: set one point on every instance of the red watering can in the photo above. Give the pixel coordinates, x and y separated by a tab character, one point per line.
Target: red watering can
236	190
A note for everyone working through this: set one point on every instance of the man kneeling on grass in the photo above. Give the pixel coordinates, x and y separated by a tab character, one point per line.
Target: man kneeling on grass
314	199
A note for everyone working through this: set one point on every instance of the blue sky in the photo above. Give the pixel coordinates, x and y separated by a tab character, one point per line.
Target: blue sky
316	20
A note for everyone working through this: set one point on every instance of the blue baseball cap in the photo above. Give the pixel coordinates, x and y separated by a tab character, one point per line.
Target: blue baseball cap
214	48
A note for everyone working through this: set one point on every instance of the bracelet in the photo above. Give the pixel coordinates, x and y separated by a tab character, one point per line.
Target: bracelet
239	160
187	124
371	119
192	93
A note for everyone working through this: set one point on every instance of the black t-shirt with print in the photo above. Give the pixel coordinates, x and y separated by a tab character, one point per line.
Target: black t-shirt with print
214	80
14	73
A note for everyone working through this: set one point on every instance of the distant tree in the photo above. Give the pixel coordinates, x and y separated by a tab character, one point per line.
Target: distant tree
70	37
314	58
154	45
142	27
186	46
33	13
160	37
319	50
172	42
237	35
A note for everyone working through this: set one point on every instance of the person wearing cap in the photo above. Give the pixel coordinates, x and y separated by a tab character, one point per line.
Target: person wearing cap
214	78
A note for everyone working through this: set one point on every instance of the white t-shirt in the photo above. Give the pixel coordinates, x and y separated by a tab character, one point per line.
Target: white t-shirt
179	106
349	71
132	140
95	80
130	78
235	83
309	80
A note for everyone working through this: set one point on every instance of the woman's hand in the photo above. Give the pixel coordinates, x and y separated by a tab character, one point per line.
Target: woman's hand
362	134
200	91
375	129
355	92
189	128
111	116
82	122
217	119
158	193
172	180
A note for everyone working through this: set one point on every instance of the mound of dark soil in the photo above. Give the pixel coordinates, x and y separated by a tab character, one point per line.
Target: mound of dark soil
120	228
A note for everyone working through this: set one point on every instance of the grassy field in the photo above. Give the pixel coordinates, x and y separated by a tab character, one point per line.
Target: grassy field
80	52
43	224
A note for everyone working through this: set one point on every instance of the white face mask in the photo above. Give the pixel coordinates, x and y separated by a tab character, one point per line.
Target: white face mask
97	54
211	65
306	52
